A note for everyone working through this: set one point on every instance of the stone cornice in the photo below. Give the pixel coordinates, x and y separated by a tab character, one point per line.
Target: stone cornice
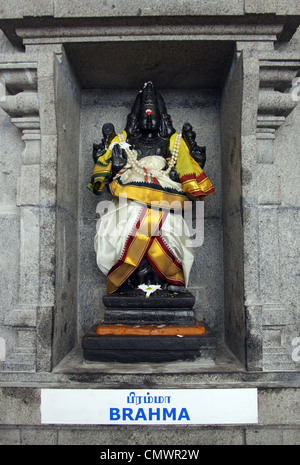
91	8
220	20
230	32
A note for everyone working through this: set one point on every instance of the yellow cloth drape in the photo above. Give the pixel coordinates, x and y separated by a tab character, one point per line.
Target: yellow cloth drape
192	178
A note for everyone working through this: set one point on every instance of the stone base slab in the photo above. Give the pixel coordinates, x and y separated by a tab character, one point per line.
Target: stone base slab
156	300
130	348
149	316
161	307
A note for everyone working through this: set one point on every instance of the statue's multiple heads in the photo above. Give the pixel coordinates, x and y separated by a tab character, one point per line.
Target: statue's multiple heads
149	114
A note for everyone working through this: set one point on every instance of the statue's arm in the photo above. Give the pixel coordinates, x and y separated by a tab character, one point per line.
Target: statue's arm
119	159
197	152
174	175
108	132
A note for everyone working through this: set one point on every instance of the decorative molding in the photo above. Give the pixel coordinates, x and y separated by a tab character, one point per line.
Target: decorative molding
24	354
276	99
276	355
232	32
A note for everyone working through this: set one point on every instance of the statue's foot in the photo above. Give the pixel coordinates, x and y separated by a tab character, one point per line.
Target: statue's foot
129	290
166	291
161	293
169	290
134	293
179	289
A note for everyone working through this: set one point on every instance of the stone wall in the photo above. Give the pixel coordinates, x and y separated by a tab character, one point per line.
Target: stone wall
232	70
20	414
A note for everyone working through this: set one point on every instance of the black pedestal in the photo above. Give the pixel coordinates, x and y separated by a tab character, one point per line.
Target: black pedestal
175	309
156	349
159	309
157	299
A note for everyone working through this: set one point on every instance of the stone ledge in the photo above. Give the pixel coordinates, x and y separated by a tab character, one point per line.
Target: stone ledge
76	8
108	344
211	17
159	435
225	373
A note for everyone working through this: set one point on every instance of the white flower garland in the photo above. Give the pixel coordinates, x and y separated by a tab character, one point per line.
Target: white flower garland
135	163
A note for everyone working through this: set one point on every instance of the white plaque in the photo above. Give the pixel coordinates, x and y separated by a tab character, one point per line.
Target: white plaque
149	407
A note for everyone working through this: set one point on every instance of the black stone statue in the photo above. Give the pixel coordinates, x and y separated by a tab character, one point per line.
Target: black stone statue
150	162
146	254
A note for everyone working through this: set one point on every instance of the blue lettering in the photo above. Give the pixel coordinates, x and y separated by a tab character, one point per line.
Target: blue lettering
127	412
114	414
130	398
140	414
152	413
148	400
171	414
183	414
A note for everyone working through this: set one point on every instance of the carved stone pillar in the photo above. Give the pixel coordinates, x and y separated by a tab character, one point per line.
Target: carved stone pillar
276	101
42	98
266	313
257	98
20	102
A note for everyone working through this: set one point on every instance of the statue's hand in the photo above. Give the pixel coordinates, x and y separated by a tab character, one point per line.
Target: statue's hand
119	158
98	151
197	152
108	132
174	175
199	155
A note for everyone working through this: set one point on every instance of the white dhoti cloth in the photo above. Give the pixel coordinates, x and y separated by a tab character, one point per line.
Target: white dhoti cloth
130	231
119	227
